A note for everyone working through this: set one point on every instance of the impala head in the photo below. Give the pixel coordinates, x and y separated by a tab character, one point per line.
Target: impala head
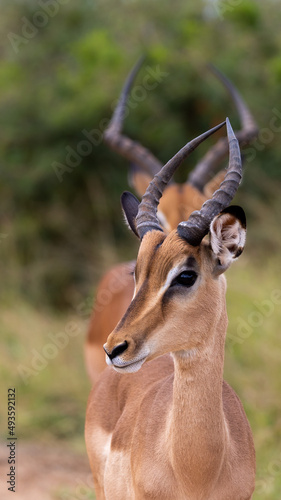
179	200
180	289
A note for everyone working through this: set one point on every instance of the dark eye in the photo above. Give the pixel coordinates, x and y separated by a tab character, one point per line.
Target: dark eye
186	278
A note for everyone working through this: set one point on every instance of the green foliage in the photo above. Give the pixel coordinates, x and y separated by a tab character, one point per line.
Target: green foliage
64	78
246	14
60	219
252	363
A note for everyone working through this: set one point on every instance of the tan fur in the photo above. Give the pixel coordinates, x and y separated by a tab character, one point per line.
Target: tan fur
113	296
173	430
176	204
139	180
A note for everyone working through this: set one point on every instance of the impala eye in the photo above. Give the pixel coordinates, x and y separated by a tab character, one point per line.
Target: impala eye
186	278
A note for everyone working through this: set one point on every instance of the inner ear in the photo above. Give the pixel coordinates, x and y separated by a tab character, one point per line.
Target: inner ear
130	206
228	236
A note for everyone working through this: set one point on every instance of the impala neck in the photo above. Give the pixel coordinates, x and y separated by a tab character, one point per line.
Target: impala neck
197	425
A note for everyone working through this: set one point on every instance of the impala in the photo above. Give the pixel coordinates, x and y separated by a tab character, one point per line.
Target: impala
115	290
161	423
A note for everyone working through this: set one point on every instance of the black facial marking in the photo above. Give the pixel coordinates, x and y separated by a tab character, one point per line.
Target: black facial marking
232	248
191	263
237	212
132	307
239	251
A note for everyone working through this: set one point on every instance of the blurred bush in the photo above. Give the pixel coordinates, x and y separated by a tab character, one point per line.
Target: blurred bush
63	65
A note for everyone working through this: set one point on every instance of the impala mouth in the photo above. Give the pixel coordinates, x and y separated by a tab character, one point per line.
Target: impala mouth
129	367
122	366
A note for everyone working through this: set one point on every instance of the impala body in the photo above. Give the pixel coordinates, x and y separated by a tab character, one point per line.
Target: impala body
161	423
177	203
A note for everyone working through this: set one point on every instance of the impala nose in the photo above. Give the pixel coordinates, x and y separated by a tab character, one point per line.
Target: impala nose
116	350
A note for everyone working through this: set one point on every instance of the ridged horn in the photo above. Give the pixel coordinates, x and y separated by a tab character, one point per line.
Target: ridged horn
129	149
197	226
206	167
146	219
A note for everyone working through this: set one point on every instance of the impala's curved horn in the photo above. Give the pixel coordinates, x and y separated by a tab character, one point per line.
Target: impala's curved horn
197	226
204	170
146	219
133	151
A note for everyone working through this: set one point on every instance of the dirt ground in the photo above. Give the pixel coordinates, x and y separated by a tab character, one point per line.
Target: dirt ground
47	473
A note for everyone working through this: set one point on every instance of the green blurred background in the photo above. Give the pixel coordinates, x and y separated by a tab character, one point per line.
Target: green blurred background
63	64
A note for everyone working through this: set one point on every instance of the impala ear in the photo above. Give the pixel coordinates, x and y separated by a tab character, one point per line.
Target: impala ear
130	206
228	236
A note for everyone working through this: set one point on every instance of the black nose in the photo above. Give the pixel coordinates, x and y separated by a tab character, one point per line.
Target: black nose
117	350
